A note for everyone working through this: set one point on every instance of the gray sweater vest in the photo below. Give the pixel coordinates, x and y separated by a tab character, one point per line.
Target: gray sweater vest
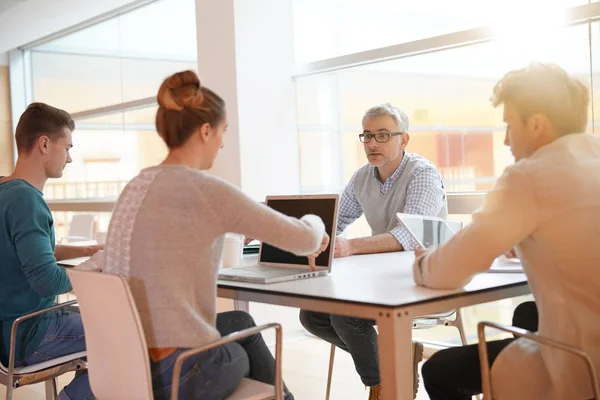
380	208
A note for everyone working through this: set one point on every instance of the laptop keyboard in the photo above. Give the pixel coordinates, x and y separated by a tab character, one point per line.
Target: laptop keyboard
263	271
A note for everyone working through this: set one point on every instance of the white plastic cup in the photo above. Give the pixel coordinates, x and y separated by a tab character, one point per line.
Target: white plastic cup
101	237
233	246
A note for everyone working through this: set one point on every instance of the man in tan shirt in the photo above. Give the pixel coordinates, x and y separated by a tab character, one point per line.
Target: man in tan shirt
547	205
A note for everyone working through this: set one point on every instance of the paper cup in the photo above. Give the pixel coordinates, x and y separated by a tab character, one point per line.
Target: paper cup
233	246
101	237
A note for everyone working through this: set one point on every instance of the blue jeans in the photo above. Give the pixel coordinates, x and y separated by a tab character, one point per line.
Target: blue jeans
215	374
355	335
64	336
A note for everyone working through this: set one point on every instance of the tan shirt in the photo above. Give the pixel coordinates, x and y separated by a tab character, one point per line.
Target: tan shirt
166	235
548	205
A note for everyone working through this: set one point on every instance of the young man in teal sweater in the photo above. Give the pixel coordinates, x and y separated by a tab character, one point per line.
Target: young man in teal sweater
30	279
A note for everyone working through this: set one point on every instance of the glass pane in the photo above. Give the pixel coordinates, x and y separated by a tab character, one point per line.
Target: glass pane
82	82
104	161
121	119
320	172
62	223
76	82
118	60
330	28
153	31
446	96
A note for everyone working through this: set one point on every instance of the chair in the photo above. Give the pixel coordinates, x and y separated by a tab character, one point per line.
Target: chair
450	318
119	364
485	366
14	377
81	228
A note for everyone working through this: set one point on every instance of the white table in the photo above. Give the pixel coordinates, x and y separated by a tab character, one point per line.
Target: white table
378	287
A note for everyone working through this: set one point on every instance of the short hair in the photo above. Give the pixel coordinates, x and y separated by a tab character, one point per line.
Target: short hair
388	109
41	119
183	106
546	89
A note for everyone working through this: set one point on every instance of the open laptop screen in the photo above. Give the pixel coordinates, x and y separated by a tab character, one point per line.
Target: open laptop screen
326	208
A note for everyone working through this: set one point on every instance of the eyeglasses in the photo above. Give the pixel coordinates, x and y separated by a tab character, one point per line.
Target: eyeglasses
380	137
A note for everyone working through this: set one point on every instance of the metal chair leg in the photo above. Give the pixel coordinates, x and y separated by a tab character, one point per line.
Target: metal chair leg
241	305
9	390
50	389
330	374
458	323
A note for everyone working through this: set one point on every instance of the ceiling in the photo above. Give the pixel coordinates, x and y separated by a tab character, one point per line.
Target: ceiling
7	4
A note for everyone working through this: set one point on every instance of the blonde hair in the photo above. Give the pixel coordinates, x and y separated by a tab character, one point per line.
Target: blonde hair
549	90
183	106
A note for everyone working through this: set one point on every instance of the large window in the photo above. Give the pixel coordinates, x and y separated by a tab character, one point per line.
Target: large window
345	68
119	60
118	63
446	96
107	75
436	59
331	28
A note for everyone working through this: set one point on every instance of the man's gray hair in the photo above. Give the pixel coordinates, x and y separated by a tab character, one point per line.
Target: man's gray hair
387	109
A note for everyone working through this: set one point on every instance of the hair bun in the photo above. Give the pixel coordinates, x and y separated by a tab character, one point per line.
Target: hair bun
179	91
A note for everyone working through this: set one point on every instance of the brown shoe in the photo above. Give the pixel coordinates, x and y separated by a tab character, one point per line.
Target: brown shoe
375	393
417	357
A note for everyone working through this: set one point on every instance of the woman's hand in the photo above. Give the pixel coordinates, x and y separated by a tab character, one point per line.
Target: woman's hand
312	258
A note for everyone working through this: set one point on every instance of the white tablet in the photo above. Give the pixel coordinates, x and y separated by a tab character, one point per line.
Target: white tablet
428	231
433	231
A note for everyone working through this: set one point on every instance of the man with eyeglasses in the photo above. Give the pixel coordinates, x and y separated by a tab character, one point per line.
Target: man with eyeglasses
393	181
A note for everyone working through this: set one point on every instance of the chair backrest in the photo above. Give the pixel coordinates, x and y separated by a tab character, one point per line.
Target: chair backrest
455	225
118	361
82	225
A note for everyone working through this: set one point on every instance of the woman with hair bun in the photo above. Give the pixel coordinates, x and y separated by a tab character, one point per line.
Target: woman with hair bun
166	236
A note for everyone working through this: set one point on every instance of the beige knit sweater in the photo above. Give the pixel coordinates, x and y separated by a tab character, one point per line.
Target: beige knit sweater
166	235
549	206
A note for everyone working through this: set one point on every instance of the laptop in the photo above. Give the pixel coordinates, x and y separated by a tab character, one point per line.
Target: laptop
73	262
276	265
433	231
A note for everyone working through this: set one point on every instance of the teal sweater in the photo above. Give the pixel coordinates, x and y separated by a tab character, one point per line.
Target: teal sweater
29	276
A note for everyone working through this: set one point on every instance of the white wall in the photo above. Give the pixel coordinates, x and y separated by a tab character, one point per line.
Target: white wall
35	19
3	59
217	70
246	55
266	97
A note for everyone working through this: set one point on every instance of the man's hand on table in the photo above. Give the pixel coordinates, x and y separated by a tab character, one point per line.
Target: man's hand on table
342	248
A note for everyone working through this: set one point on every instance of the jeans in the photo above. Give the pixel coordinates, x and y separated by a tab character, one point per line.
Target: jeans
454	373
354	335
64	336
215	374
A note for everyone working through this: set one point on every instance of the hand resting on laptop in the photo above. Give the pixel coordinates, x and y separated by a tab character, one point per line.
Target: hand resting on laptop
311	259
